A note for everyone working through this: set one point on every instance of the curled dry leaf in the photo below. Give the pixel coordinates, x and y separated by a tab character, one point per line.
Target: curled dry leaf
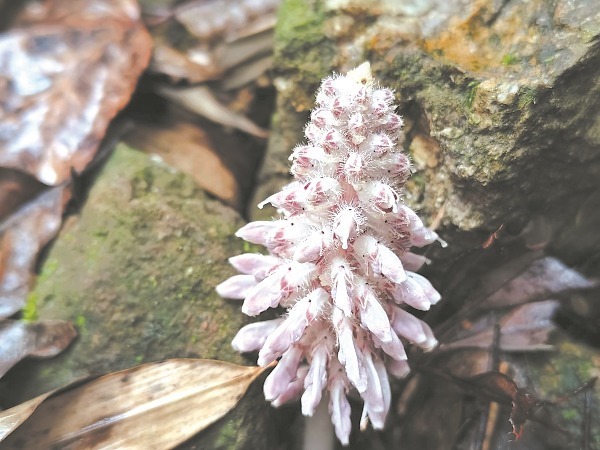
42	339
64	74
175	399
501	388
21	238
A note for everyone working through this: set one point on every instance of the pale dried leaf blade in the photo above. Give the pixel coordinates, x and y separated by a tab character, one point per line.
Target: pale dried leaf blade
15	416
175	399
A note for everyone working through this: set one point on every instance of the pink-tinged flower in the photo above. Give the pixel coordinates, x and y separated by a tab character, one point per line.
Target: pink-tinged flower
339	261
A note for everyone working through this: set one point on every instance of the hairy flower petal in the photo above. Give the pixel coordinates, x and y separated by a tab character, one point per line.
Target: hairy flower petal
283	374
257	232
255	264
315	380
378	396
412	261
339	407
294	389
416	291
253	336
349	355
413	329
394	348
374	317
236	287
345	225
341	289
398	368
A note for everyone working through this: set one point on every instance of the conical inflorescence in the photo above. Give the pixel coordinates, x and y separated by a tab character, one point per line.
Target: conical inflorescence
339	261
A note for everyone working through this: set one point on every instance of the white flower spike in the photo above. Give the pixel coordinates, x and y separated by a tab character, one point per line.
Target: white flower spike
339	261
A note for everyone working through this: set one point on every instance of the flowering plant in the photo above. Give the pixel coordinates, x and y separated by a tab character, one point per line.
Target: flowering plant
339	261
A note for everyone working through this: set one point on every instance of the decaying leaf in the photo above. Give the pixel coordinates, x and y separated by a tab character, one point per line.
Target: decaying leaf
501	388
21	238
14	417
544	278
221	34
41	339
64	74
174	399
201	101
510	313
523	307
16	188
525	328
188	148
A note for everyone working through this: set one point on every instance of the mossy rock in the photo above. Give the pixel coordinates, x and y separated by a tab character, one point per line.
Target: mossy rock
135	270
507	94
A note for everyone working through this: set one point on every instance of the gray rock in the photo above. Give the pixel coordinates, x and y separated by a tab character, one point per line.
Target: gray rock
501	101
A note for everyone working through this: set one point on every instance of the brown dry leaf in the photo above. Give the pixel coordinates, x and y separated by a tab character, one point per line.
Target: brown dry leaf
179	66
200	100
188	148
14	417
525	328
220	35
21	238
501	388
175	399
64	73
16	188
227	19
543	279
529	294
41	339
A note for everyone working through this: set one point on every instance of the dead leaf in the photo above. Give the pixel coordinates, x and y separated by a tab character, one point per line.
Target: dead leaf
175	399
41	339
520	298
202	40
201	101
21	238
188	148
64	74
224	18
14	417
500	387
16	188
525	328
178	66
545	278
